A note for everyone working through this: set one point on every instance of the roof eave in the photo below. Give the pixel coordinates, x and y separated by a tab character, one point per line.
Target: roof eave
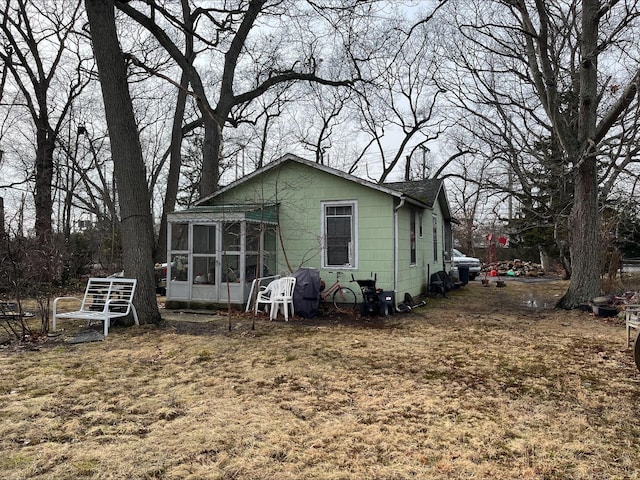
297	159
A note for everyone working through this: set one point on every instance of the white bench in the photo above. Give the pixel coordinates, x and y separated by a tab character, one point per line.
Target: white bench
631	320
104	299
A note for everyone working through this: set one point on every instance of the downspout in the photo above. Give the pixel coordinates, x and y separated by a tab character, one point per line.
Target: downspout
396	247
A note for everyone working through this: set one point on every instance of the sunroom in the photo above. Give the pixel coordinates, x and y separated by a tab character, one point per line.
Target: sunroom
215	252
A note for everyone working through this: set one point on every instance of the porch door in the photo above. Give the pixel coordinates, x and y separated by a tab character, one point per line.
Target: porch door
232	262
205	269
178	268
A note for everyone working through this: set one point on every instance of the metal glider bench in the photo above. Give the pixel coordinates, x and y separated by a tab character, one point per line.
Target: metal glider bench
104	299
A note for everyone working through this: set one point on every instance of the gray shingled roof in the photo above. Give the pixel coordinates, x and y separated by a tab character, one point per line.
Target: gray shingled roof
425	191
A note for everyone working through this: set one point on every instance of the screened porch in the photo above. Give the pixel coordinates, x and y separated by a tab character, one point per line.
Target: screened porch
215	253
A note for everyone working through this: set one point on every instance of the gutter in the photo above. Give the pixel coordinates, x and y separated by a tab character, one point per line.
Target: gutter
396	246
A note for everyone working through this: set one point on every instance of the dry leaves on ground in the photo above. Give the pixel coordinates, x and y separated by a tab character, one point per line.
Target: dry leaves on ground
487	383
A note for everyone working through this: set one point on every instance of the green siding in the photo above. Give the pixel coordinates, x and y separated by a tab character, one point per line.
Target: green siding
299	189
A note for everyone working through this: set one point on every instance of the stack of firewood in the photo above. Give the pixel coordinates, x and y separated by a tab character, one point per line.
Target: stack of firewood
514	268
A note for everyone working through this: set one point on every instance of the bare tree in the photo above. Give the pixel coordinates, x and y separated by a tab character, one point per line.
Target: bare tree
177	133
271	108
403	99
233	31
46	62
129	170
546	65
320	120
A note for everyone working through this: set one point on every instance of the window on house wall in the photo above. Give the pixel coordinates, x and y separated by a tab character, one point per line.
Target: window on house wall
420	224
412	236
446	241
339	227
434	220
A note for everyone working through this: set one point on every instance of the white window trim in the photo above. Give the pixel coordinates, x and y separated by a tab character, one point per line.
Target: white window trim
353	247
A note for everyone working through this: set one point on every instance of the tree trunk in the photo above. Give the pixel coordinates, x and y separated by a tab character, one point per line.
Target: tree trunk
129	170
173	177
584	221
210	153
636	351
44	179
584	239
175	157
2	229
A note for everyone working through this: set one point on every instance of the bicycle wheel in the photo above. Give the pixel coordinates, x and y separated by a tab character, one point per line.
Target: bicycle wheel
344	297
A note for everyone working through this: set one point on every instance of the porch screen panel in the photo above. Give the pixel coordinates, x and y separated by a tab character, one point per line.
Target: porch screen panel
252	247
338	234
231	236
204	239
269	250
204	269
230	268
231	249
179	267
254	231
179	237
260	251
179	255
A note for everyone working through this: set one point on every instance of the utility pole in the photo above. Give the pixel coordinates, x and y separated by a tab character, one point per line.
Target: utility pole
407	169
425	150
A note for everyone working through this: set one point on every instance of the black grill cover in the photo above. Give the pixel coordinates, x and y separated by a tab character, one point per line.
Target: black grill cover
306	295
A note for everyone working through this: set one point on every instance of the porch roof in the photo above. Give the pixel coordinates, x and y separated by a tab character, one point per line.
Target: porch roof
249	212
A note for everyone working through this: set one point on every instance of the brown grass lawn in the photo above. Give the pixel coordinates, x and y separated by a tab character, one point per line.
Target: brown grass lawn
477	385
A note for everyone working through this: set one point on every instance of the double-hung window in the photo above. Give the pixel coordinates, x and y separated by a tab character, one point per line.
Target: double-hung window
434	220
412	237
339	234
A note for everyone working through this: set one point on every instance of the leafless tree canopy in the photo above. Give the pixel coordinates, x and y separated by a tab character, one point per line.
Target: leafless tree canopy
529	108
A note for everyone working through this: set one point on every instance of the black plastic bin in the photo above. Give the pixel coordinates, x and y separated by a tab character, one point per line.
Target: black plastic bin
463	275
387	303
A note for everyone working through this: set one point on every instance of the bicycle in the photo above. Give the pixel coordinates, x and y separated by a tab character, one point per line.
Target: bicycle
342	297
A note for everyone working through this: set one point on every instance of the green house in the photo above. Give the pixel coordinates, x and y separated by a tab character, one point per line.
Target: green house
295	213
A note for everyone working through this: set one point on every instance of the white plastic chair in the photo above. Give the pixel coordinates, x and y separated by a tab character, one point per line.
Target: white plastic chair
631	320
283	296
266	294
